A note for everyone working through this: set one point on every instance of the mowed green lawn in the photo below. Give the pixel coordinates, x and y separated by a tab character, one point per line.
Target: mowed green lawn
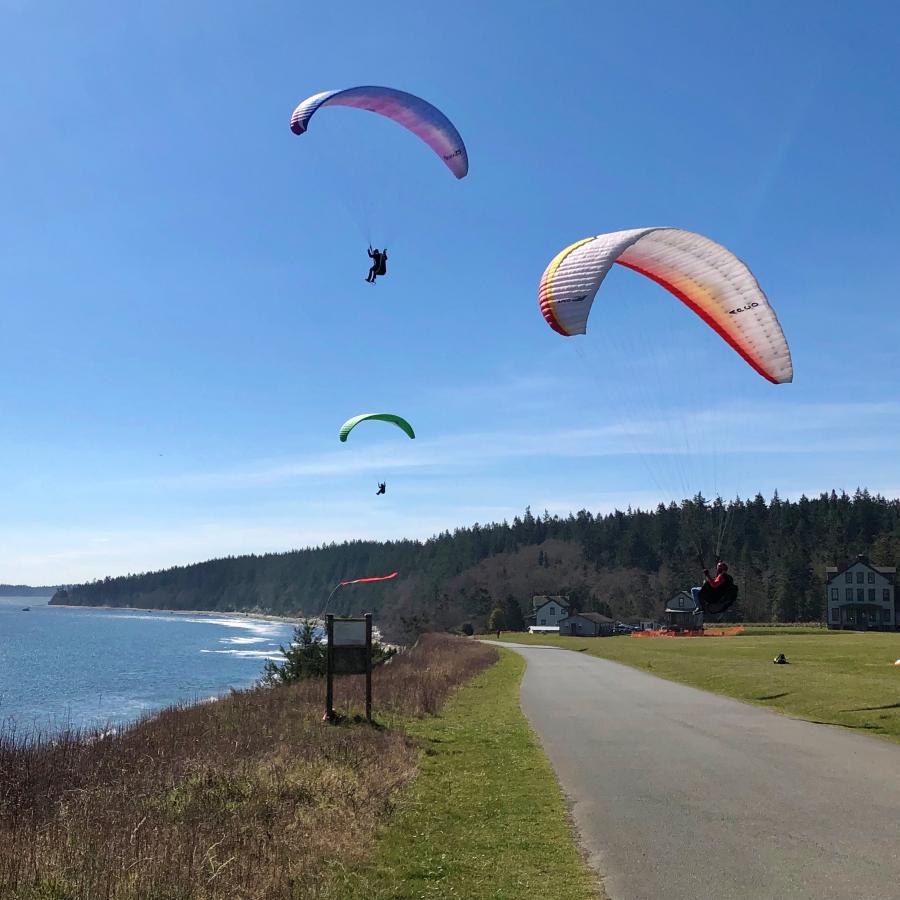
835	677
485	817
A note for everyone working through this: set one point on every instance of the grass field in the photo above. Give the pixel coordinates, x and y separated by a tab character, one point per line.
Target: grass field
485	817
837	678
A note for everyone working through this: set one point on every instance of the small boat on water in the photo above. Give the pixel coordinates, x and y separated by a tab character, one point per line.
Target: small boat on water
26	609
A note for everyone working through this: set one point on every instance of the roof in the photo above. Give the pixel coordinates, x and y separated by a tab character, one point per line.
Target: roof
690	609
539	600
594	617
687	611
832	571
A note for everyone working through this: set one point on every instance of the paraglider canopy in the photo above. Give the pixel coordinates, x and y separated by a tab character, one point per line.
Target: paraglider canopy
415	114
399	421
709	279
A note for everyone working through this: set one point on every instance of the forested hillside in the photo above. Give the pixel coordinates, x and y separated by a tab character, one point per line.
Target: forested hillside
622	564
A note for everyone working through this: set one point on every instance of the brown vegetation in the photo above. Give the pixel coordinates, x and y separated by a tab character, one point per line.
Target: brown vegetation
248	797
553	567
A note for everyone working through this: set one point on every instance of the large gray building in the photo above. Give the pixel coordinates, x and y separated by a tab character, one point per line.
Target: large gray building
860	597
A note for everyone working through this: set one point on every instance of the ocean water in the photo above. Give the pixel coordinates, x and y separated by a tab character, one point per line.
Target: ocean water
101	668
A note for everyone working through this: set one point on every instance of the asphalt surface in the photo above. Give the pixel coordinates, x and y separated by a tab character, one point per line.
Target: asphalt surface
678	793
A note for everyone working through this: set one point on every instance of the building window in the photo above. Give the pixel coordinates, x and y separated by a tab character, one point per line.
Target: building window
871	578
860	577
871	595
886	616
848	594
835	614
860	595
543	621
835	594
849	578
885	595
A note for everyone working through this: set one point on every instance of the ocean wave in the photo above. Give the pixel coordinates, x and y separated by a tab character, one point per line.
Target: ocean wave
248	654
262	627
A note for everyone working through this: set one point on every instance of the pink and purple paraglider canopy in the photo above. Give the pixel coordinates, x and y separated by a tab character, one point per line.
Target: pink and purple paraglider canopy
413	113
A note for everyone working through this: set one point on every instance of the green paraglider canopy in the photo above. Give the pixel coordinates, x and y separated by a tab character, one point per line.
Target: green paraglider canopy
400	422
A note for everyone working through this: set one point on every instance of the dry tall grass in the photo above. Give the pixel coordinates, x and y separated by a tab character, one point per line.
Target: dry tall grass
248	797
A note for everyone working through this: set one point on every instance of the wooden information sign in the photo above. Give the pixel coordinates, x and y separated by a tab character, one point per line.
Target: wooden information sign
349	653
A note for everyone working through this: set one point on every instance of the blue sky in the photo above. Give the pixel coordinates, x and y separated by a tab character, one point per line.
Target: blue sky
184	323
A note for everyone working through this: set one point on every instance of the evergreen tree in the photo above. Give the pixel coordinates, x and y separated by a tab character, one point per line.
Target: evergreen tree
497	620
632	561
304	658
512	614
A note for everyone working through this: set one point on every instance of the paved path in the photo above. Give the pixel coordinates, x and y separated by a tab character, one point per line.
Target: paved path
678	793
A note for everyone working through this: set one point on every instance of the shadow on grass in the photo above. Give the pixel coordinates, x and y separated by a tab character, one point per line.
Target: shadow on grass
777	697
873	708
868	726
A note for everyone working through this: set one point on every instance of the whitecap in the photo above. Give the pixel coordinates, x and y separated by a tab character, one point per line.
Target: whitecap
248	654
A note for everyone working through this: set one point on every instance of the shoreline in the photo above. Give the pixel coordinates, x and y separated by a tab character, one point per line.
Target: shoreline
266	617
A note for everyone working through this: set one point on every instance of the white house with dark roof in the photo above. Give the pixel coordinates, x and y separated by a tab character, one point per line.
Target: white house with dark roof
548	610
860	597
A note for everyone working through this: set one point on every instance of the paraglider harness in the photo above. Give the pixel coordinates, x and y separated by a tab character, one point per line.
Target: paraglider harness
379	264
715	600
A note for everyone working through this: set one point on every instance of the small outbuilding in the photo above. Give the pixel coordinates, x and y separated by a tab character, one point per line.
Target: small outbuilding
588	624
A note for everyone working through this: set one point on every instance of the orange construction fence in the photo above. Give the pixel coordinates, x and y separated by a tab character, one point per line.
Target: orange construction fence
692	632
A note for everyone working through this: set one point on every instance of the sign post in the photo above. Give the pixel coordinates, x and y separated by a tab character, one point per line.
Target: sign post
369	668
349	652
329	669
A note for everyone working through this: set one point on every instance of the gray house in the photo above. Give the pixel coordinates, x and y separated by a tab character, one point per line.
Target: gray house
860	596
588	624
682	612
